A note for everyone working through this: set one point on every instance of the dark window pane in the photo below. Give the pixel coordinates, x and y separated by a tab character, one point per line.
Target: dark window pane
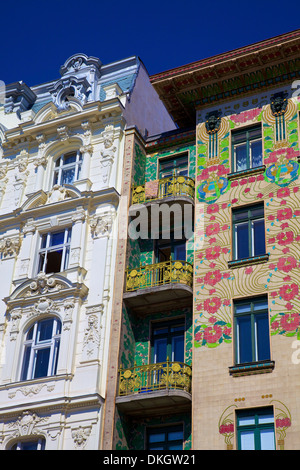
53	264
263	341
70	158
29	445
44	241
45	330
41	363
256	152
257	211
160	350
178	349
57	238
179	252
244	339
241	157
25	363
68	176
259	237
242	241
240	215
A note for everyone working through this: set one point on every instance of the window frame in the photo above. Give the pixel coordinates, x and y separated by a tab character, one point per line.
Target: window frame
49	248
169	336
253	325
248	139
256	427
175	160
164	429
33	346
61	167
251	238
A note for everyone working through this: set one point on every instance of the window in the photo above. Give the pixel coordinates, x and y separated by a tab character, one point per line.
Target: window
248	232
41	348
251	323
255	429
166	249
247	148
54	251
168	341
38	444
67	168
167	438
177	166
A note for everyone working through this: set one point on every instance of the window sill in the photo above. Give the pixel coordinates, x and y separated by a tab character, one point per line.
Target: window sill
245	173
252	368
238	263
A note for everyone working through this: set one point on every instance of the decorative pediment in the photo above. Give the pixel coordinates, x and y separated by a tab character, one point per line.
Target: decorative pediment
41	285
56	194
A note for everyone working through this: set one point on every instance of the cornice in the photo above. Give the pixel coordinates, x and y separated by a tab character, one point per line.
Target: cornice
92	112
241	72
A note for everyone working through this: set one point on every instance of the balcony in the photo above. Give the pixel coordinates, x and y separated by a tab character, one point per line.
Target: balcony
169	282
155	388
173	187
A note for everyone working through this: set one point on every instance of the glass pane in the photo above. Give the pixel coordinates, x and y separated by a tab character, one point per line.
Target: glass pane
160	350
246	420
247	440
244	339
160	331
41	363
240	215
178	348
153	447
266	418
69	158
26	363
260	305
242	308
238	137
45	330
255	133
57	238
29	445
175	435
175	447
242	241
262	337
179	252
259	237
30	333
267	440
241	157
256	153
257	212
44	241
157	437
67	176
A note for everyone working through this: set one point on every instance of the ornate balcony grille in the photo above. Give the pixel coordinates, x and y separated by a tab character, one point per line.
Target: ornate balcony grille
173	186
159	274
153	377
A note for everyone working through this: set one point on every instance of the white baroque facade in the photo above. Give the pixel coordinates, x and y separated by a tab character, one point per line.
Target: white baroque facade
61	163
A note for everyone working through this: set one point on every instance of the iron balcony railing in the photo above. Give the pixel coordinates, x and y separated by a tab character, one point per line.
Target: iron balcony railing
159	274
153	377
173	186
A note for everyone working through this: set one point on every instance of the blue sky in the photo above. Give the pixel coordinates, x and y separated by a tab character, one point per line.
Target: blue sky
38	36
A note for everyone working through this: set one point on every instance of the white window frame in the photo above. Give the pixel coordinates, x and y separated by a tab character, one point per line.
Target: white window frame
35	346
60	167
49	248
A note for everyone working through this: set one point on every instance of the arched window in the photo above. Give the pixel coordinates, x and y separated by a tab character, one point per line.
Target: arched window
36	444
67	168
41	348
